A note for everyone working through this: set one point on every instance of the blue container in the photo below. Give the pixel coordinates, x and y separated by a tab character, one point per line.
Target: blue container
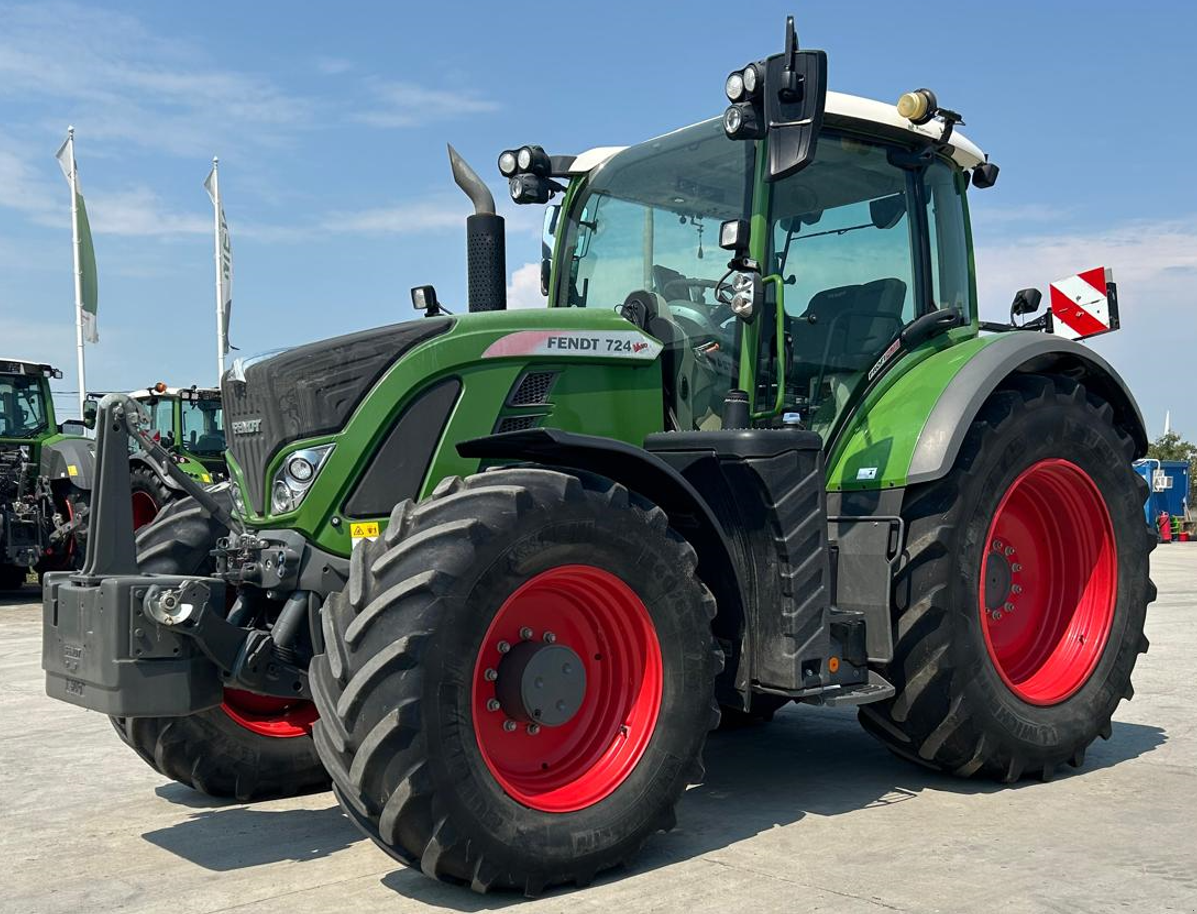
1169	483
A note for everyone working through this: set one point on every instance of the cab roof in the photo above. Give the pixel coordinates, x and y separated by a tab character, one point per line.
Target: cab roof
144	393
840	108
24	366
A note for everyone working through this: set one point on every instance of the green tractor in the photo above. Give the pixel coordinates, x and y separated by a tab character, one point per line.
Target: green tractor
188	422
45	477
495	575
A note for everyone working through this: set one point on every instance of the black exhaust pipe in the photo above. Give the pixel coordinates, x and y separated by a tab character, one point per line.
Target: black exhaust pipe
486	241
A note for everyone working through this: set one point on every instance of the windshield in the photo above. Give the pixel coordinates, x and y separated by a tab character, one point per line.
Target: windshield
22	406
648	222
203	427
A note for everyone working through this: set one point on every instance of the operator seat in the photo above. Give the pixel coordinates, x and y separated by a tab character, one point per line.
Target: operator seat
844	328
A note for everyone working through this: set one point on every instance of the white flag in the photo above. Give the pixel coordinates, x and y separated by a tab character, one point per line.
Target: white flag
225	253
87	283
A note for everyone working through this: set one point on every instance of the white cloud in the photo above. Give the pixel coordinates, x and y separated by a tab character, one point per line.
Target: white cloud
403	218
1155	263
524	288
1155	266
22	189
134	85
333	66
140	212
405	104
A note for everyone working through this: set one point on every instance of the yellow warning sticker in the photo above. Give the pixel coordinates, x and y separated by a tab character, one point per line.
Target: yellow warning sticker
364	531
206	478
72	470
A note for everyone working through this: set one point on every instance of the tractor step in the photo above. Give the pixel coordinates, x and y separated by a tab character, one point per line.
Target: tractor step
876	689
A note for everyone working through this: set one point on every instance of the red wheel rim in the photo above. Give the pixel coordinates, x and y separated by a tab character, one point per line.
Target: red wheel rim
145	509
1049	579
569	767
275	717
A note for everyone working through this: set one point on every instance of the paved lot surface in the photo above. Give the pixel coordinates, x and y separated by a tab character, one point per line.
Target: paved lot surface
805	814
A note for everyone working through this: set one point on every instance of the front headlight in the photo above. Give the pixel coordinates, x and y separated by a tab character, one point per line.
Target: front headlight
295	477
238	500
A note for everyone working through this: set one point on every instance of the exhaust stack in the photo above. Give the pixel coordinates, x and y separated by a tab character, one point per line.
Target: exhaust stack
486	241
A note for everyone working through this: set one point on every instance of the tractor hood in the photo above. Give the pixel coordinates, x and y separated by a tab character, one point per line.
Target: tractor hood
307	391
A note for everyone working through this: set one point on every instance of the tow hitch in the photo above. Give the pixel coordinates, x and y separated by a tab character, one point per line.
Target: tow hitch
137	645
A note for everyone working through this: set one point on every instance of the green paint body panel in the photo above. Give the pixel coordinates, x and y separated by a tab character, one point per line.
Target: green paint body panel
599	395
886	428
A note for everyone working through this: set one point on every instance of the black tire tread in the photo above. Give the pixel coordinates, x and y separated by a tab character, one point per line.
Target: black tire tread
925	721
378	768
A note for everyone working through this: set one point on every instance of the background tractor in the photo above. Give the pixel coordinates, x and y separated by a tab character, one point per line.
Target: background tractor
495	575
189	423
45	477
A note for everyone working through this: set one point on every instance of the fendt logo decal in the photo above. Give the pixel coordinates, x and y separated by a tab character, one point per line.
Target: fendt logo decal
246	426
612	344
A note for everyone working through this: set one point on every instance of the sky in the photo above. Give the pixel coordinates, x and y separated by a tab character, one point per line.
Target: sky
331	121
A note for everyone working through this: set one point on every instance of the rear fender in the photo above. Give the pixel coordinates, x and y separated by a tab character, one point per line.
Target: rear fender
912	430
69	460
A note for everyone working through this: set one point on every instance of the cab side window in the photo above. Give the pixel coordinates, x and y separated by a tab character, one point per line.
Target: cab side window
951	267
162	422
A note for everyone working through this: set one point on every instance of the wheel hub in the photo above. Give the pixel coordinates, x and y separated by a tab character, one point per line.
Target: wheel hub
541	683
1048	582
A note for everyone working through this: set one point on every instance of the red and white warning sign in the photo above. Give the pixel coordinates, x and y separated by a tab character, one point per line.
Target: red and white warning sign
1085	305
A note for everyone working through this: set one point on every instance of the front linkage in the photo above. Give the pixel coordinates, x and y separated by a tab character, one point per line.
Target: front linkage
131	644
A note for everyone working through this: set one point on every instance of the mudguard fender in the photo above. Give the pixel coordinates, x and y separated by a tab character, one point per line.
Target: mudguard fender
1028	353
70	459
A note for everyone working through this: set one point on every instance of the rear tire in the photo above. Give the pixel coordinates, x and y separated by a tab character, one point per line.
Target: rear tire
251	747
1045	463
150	495
411	727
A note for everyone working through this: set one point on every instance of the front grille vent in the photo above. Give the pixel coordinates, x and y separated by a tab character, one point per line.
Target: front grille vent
517	423
532	389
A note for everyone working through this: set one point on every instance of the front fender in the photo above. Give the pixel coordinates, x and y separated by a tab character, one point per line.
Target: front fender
70	459
911	430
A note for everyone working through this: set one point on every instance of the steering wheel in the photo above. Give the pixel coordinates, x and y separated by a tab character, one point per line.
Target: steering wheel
687	284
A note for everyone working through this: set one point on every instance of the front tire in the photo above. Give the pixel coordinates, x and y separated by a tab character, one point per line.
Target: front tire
252	747
1021	604
440	747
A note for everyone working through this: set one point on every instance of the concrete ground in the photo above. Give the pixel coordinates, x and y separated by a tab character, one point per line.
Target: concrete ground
805	814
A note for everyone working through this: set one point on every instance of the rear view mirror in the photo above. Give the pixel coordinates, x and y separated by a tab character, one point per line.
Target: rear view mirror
91	409
795	95
886	212
1026	301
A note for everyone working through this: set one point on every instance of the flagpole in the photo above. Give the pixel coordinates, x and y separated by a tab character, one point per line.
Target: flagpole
78	270
219	272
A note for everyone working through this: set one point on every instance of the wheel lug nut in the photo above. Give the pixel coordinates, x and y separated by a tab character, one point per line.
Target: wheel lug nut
1009	550
1009	607
533	729
491	675
526	633
1017	588
549	637
509	726
1016	567
493	705
997	545
503	647
996	615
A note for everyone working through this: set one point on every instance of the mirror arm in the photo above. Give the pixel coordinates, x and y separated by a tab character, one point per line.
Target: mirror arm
779	349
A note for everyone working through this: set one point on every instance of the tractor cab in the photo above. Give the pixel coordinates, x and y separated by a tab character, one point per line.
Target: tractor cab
870	234
26	408
44	476
188	422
